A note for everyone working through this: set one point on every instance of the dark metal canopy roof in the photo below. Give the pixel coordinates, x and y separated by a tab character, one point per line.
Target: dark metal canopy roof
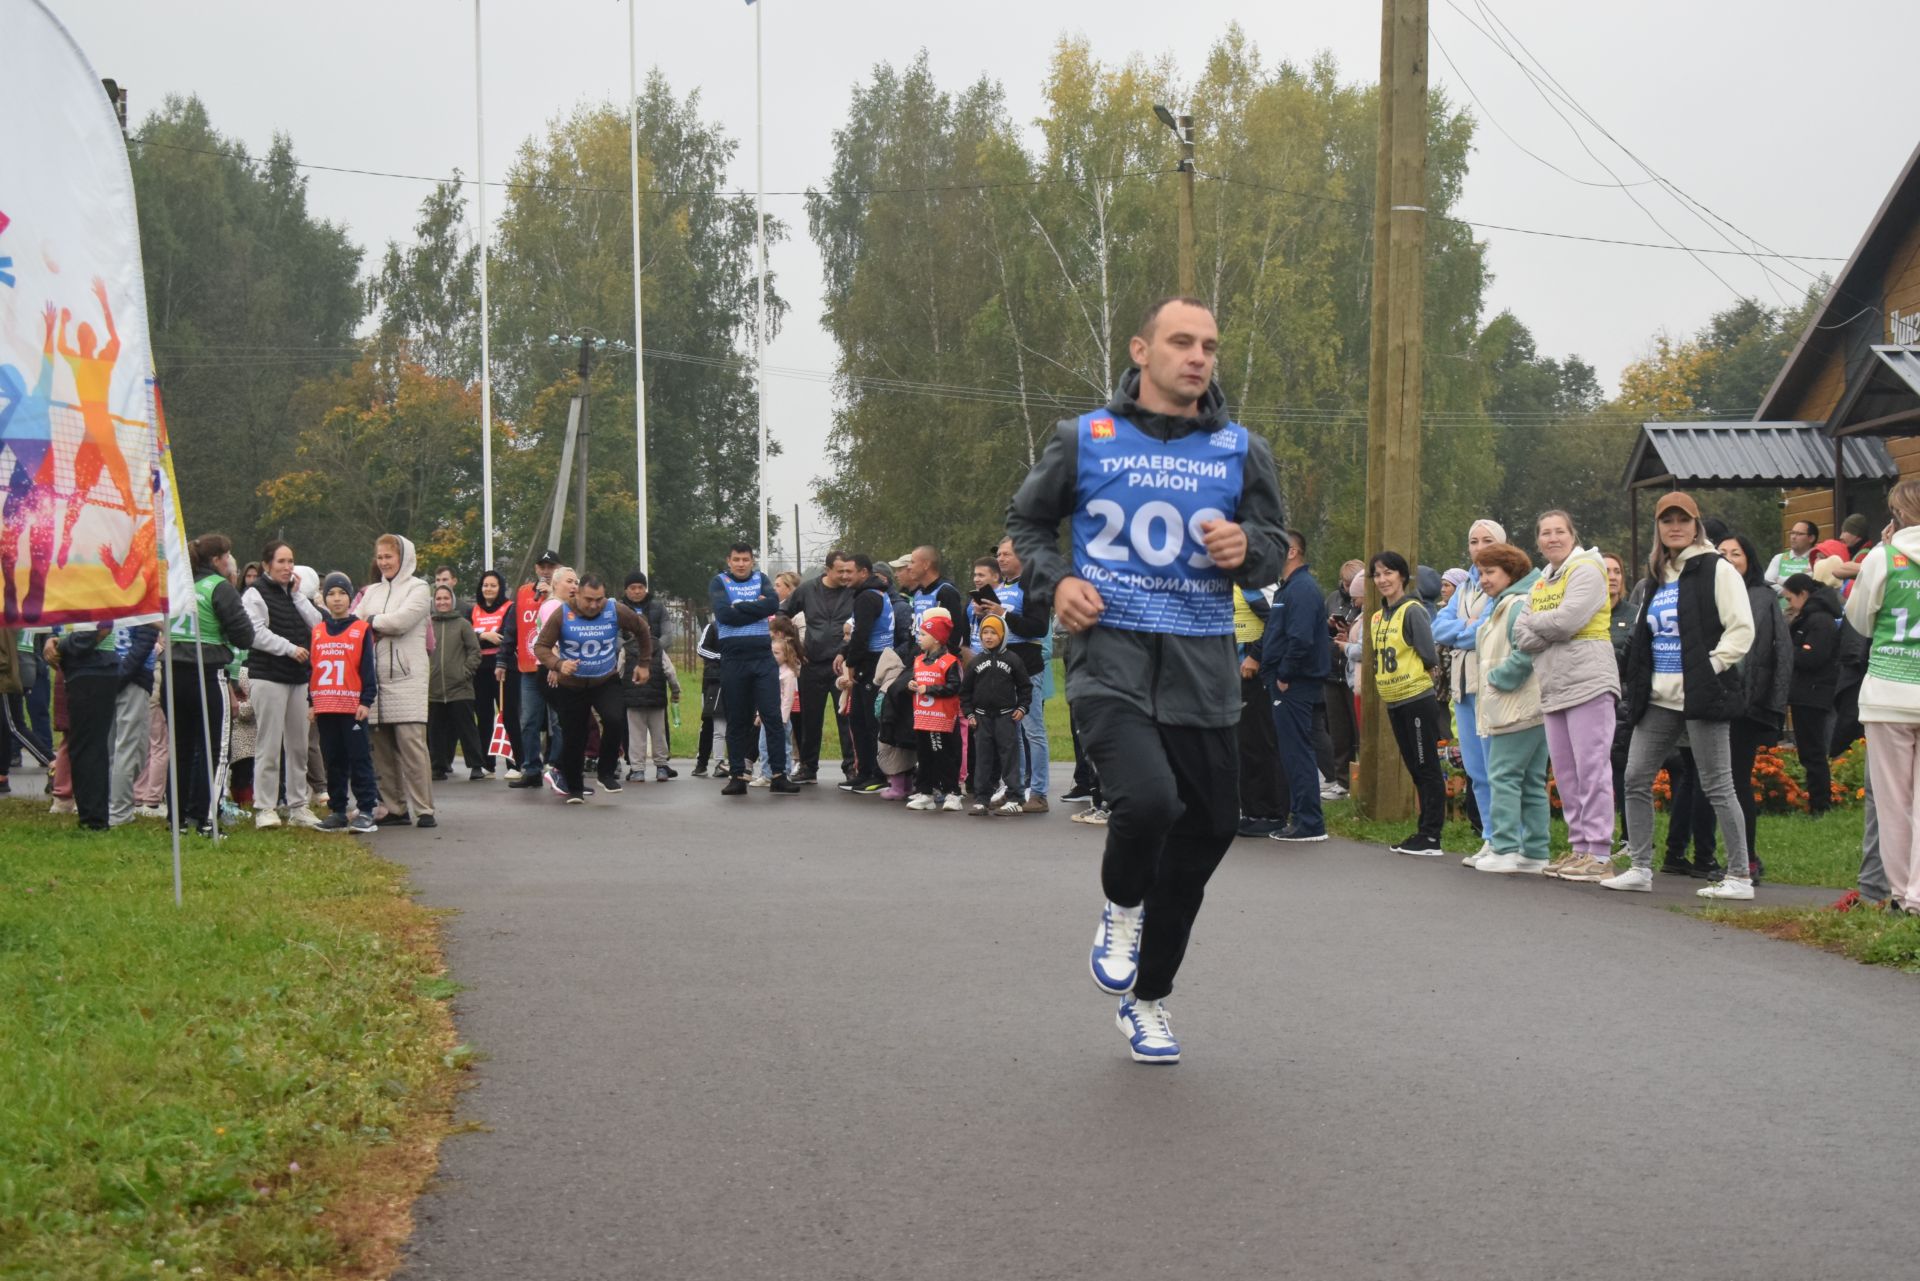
1740	455
1883	397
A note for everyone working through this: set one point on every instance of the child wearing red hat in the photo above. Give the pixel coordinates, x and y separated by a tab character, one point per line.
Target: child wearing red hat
937	678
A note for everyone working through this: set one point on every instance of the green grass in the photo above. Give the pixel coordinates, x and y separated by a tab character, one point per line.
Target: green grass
252	1084
1795	849
1871	936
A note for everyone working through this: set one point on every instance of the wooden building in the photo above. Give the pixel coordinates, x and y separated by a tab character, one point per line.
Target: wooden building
1842	420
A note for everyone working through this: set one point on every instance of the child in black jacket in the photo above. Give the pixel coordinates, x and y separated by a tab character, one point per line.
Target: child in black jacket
994	697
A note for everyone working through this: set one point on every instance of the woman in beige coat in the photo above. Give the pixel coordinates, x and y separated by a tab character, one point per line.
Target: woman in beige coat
397	605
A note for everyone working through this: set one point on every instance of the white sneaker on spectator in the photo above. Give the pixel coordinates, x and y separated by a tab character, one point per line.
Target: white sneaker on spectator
921	801
1473	859
953	804
301	816
265	818
1491	862
1634	878
62	807
1734	887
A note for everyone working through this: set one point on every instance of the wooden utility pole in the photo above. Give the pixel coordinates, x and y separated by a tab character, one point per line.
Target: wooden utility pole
1186	205
1394	385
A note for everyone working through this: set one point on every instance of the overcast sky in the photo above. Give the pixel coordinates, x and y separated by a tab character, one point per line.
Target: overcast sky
1788	119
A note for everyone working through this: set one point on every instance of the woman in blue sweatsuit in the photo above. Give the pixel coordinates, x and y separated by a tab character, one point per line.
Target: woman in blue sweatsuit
1453	628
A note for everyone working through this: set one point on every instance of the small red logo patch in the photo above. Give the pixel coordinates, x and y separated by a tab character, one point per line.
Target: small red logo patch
1899	561
1101	429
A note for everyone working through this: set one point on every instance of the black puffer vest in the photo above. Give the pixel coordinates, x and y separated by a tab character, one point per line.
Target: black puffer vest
284	621
1709	696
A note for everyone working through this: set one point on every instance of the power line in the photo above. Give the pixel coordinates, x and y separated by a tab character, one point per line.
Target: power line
571	189
563	188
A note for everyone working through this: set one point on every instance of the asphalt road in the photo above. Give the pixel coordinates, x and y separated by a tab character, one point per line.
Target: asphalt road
822	1037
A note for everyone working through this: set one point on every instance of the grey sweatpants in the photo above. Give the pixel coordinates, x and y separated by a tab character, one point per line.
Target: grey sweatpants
644	724
280	717
1653	739
1873	873
132	723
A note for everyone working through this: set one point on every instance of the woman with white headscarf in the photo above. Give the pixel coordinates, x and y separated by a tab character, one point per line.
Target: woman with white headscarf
1453	629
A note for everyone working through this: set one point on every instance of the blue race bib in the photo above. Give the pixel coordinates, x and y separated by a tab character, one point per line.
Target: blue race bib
1136	531
594	643
1663	616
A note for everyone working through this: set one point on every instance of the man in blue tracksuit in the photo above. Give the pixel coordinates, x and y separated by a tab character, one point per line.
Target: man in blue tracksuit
743	600
1295	657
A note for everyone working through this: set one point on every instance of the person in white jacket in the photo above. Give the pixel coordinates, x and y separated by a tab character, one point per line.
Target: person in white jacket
397	607
1885	607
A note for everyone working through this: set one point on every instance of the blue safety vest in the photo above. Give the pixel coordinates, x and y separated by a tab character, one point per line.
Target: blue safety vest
926	600
1011	597
1136	528
882	634
594	643
739	592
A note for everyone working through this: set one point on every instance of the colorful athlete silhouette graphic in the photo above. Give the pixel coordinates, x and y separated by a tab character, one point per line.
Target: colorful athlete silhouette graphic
99	450
143	555
26	431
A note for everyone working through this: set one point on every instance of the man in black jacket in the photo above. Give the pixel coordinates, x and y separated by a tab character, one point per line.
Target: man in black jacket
874	611
1295	656
1027	611
1172	506
827	603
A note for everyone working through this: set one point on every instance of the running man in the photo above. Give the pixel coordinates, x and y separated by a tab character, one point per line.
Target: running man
1172	508
99	449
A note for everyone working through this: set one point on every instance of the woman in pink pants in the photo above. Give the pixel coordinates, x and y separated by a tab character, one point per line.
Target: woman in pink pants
1566	629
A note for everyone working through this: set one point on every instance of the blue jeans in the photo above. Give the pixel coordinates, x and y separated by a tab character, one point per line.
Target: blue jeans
1473	755
1033	726
537	717
1293	728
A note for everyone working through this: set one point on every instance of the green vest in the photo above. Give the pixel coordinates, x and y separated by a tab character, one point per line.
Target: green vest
210	632
1791	565
1896	627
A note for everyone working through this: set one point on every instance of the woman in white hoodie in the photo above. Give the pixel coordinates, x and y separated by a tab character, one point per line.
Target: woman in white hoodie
1566	630
1683	676
397	607
1885	606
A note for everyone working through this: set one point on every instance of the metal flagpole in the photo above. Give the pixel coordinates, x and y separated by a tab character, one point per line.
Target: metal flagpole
486	374
760	241
173	758
639	370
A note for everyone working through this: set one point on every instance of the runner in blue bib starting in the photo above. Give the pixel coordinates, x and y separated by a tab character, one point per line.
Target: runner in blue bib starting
1173	508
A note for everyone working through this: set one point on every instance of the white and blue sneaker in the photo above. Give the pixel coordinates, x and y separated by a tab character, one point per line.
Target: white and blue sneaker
1116	948
1149	1035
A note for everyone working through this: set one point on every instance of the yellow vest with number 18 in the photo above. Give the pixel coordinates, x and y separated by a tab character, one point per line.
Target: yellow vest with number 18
1549	592
1398	673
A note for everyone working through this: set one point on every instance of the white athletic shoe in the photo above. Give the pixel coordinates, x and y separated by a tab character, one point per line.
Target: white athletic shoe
62	807
1473	859
149	811
301	816
953	804
1491	862
1116	948
1332	792
1149	1035
760	782
511	775
265	818
999	795
1531	866
1634	878
921	801
1735	887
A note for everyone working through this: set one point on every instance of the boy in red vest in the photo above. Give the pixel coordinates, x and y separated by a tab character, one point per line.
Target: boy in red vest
937	678
341	690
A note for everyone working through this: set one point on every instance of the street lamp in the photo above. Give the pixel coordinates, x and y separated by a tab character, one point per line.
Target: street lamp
1182	127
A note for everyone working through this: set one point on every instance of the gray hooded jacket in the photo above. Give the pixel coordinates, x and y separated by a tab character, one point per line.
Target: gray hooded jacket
1176	680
